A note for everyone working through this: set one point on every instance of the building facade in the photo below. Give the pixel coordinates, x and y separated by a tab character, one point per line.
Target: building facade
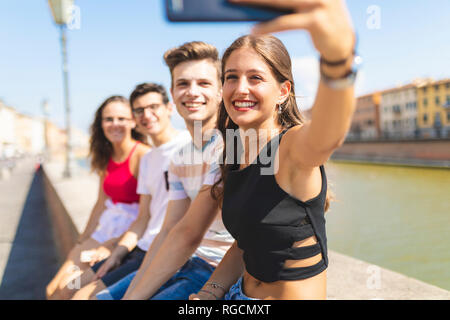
22	134
7	131
30	134
366	119
433	100
398	112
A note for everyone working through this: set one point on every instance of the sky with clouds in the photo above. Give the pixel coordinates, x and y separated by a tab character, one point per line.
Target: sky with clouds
120	43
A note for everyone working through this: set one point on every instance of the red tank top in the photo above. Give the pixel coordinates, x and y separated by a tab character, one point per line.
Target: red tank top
120	184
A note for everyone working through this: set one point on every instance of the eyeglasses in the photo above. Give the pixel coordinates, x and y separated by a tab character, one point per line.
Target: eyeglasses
120	120
139	112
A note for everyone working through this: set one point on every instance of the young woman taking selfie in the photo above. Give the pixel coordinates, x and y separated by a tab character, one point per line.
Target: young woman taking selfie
278	219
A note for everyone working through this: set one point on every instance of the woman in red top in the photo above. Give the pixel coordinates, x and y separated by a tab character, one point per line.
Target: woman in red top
116	150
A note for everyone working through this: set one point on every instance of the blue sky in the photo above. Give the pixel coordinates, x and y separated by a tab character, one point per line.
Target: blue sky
120	43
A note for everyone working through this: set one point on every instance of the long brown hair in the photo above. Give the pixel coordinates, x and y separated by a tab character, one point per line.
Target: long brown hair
275	54
101	149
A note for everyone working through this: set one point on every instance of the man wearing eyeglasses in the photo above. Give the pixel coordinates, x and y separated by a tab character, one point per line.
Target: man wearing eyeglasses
151	111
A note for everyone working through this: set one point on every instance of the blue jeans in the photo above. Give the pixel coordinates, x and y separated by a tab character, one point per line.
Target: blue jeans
130	263
189	279
117	290
235	292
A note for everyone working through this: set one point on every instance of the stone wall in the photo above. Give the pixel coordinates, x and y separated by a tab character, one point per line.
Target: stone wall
427	151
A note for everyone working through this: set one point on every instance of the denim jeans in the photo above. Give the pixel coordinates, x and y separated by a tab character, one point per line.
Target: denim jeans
189	279
130	263
235	292
117	290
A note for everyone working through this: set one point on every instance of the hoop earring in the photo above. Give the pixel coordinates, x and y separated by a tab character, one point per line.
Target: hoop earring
279	108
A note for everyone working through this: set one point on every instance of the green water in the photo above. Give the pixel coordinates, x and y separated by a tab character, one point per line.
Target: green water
392	216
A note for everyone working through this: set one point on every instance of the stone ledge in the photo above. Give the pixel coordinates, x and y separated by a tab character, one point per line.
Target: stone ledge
71	201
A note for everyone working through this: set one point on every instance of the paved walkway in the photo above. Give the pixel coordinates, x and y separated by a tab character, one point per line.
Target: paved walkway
27	256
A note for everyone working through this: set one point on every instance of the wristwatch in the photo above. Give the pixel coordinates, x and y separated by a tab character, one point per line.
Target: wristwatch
347	80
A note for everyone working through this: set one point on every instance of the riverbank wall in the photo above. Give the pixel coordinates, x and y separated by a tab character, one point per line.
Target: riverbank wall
427	153
71	201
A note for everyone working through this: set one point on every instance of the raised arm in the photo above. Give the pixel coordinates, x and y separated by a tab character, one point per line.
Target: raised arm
179	245
331	31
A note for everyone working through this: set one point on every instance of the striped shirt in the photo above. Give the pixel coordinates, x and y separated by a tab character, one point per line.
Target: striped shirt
190	169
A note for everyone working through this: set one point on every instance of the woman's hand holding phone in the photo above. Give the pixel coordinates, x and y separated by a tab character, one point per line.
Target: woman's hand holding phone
327	21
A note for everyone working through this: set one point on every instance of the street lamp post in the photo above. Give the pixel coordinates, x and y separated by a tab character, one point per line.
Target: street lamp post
45	110
61	10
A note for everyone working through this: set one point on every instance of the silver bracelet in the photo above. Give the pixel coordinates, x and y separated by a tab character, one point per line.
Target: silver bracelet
216	285
209	292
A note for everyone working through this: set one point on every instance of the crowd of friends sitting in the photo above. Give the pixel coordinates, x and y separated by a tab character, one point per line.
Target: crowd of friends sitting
233	206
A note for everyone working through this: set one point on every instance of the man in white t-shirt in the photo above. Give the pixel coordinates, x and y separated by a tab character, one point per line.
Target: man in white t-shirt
192	240
152	111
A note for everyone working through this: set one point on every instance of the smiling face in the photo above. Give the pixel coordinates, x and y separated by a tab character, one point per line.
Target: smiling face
151	114
117	122
196	90
250	90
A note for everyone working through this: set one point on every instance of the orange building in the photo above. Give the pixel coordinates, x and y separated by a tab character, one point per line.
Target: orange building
366	119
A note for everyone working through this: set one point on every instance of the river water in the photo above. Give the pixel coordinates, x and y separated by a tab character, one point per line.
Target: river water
395	217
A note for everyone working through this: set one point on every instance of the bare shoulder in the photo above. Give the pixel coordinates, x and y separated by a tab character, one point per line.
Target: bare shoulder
136	158
289	143
294	177
142	149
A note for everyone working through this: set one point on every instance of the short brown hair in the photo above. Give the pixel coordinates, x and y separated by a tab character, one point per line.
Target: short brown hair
144	88
195	50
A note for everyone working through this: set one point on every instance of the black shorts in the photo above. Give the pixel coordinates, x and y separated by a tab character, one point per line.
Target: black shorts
130	263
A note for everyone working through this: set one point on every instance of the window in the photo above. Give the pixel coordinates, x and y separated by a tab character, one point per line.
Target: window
436	87
424	89
448	116
437	101
425	118
425	102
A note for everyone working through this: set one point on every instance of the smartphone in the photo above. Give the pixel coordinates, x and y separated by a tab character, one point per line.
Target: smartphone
218	10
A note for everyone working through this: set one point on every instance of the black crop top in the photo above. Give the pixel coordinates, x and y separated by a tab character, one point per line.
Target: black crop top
266	221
